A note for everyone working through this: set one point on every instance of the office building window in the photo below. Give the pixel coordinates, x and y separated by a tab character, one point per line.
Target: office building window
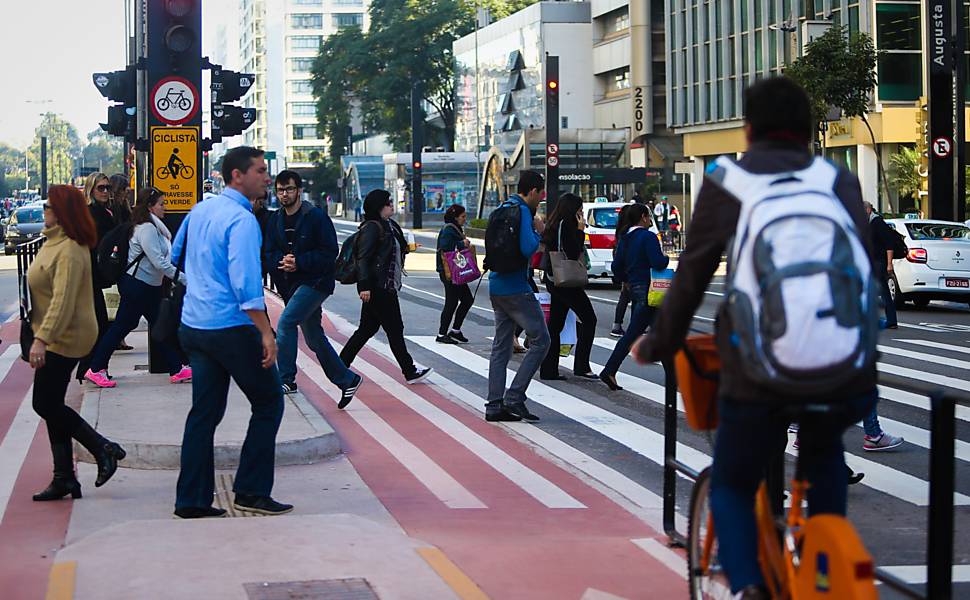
304	132
305	42
301	86
348	2
899	35
308	154
342	20
618	20
303	109
306	21
301	65
306	2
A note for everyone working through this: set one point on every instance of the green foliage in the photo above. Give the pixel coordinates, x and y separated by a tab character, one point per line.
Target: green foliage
478	223
904	172
63	148
839	70
104	152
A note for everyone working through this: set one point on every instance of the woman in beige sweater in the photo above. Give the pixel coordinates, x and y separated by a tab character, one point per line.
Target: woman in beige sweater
65	330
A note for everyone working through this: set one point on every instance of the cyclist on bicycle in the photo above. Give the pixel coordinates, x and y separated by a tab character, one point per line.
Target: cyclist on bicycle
175	163
779	129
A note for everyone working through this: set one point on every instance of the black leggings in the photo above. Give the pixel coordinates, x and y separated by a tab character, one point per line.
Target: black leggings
621	305
382	311
564	300
50	388
458	301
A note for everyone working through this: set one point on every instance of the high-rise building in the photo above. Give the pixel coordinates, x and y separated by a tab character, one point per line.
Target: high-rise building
279	40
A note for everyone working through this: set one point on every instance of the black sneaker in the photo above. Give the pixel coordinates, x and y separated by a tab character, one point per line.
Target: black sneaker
458	337
199	512
503	415
519	410
617	332
419	375
263	505
446	339
289	388
347	394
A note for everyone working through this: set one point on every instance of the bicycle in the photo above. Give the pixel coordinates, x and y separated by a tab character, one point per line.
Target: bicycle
185	172
171	96
801	558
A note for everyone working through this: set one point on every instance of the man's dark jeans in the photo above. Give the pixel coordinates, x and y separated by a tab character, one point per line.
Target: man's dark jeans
216	355
303	310
748	437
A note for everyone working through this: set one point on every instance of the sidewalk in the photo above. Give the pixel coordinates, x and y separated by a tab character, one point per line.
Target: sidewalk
123	543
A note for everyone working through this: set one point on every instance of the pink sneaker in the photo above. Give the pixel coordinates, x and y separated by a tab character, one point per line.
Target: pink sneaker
183	376
100	378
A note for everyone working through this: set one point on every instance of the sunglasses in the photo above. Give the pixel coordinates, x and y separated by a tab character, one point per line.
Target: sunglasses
103	188
47	206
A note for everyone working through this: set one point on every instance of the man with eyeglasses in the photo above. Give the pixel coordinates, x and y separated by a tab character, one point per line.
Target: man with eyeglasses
299	251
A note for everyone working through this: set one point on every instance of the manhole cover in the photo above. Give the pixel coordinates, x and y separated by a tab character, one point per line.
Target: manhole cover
320	589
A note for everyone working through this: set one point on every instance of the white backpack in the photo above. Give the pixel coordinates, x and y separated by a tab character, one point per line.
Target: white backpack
801	298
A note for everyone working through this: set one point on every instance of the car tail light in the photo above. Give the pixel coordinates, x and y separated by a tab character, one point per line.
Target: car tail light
916	255
601	241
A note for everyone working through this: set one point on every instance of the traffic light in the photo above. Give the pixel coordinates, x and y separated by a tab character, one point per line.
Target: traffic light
120	87
229	86
552	90
182	27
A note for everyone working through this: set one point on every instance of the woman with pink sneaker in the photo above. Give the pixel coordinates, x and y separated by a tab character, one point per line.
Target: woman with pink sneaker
150	255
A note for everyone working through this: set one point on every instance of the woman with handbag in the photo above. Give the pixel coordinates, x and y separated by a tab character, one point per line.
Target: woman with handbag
565	279
458	297
637	252
64	329
150	255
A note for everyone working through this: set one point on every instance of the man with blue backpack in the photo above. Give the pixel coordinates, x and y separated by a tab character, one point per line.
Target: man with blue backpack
511	238
799	320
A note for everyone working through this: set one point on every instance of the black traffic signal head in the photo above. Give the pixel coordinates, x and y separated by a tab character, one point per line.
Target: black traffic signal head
180	37
117	86
229	120
122	122
229	86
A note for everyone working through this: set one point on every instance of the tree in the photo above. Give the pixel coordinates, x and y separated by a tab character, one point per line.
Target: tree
904	174
838	70
104	152
63	148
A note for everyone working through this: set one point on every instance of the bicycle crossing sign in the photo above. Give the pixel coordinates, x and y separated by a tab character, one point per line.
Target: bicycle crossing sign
175	166
174	100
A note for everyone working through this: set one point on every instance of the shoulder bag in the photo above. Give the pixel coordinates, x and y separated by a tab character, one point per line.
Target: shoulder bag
566	273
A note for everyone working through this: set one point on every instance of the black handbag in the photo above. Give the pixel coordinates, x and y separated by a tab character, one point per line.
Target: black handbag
166	326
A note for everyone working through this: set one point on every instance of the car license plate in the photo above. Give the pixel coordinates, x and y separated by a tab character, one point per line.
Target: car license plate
958	283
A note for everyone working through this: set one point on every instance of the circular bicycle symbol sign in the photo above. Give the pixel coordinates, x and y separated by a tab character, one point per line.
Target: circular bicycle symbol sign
174	100
942	147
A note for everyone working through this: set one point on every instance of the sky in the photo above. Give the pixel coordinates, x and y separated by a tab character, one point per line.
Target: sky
51	48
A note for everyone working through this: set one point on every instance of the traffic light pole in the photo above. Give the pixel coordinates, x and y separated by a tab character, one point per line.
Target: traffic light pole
417	142
43	167
552	133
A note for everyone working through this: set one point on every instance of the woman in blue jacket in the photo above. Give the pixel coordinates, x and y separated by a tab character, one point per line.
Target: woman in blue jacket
637	252
458	298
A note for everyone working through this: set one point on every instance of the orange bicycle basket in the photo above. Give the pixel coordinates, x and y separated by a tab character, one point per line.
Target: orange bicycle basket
697	367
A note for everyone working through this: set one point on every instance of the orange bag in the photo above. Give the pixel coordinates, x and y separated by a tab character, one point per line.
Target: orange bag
698	386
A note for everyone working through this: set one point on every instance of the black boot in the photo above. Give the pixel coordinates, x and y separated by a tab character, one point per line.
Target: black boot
64	481
105	452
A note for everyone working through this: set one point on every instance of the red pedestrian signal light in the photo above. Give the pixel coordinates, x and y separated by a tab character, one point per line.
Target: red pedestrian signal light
553	85
417	164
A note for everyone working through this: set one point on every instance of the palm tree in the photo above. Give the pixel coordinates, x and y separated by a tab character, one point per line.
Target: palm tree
904	173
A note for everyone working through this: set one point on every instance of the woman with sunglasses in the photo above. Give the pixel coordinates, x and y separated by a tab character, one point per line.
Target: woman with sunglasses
65	329
150	251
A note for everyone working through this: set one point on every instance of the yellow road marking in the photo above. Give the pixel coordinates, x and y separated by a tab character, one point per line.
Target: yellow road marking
460	583
60	584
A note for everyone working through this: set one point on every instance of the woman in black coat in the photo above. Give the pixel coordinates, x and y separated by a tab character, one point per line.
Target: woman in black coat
568	226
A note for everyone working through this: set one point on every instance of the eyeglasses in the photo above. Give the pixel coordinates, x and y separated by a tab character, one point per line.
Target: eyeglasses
103	188
290	189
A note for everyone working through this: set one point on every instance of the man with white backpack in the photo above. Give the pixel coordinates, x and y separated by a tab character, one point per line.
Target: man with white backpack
799	320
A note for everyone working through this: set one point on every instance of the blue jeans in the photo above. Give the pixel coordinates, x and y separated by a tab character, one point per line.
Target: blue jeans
138	299
303	310
640	318
749	436
887	299
870	424
522	310
217	355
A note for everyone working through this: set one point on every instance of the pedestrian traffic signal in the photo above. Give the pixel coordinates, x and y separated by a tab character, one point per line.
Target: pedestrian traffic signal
229	86
229	120
120	87
174	39
180	36
417	164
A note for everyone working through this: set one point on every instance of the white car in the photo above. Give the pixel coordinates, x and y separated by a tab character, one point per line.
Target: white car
937	266
601	219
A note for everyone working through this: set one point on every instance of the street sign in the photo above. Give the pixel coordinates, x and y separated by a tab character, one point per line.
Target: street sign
683	167
552	149
175	170
174	100
942	147
552	161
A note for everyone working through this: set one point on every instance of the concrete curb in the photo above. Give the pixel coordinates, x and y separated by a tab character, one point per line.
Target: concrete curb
152	455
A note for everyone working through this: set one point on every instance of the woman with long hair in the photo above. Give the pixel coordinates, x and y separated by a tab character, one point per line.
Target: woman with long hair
140	286
565	232
119	199
458	298
637	252
65	329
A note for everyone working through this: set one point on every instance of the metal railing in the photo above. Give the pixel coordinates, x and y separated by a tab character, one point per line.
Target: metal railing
26	253
939	551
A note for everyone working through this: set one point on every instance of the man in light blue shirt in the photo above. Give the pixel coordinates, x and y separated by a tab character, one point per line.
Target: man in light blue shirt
226	333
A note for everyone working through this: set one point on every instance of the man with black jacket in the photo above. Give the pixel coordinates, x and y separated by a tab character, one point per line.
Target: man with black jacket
752	431
299	252
882	260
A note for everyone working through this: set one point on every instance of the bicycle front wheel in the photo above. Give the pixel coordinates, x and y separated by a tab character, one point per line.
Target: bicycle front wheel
186	172
705	576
